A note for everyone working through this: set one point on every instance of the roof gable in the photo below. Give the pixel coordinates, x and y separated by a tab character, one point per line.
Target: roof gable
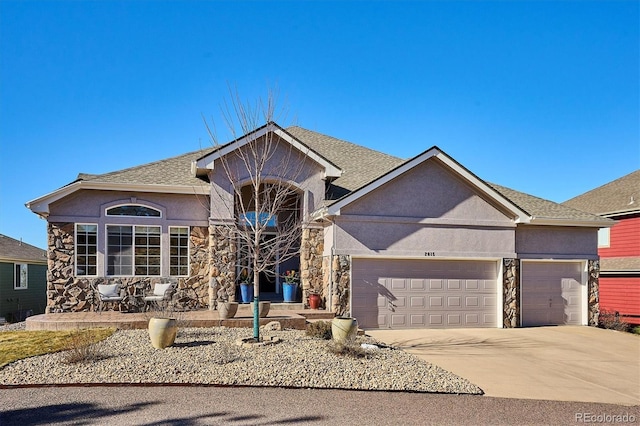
431	191
480	186
202	165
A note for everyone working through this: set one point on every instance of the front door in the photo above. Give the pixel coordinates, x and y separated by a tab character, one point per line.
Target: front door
268	277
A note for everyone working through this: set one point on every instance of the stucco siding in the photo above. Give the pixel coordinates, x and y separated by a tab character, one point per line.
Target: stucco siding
427	191
87	206
556	242
416	239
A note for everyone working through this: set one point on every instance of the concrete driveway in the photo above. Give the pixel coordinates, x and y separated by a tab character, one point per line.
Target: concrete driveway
563	363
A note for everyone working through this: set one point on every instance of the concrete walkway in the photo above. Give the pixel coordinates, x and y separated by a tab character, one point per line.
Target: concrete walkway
564	363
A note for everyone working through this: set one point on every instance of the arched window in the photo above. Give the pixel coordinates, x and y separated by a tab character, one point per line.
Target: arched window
133	210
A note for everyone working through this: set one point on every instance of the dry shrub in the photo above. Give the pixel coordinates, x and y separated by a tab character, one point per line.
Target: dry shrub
611	320
319	330
82	347
350	348
227	353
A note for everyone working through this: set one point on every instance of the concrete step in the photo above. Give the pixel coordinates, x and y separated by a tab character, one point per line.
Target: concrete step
278	306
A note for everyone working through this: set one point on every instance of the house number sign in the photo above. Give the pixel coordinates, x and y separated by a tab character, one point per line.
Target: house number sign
429	253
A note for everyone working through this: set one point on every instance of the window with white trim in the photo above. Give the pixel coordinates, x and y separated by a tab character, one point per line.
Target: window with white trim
86	249
604	237
21	276
133	210
179	251
133	250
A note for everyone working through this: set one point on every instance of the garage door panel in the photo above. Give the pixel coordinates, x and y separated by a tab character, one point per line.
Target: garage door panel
426	293
418	320
551	293
436	285
417	285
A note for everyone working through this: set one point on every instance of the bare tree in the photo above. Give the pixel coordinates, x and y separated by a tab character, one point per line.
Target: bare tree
265	195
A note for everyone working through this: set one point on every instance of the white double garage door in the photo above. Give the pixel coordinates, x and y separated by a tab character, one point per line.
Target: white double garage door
414	293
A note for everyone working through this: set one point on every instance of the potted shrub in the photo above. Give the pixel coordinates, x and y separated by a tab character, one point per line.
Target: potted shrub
246	286
290	285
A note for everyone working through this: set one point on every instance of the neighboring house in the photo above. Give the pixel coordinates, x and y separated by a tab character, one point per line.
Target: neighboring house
395	243
618	246
23	279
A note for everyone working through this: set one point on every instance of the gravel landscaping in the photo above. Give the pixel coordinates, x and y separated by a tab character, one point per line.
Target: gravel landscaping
212	356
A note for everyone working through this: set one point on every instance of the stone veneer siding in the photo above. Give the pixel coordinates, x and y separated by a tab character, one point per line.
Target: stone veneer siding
311	276
68	293
339	269
593	292
511	293
222	255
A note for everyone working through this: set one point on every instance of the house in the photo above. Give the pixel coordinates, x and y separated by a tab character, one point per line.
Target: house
395	243
618	246
23	279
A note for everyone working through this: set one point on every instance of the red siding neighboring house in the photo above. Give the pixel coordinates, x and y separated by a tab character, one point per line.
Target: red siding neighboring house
619	246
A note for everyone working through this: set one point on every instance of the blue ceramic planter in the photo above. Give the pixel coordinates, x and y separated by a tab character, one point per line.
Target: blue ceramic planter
246	293
289	292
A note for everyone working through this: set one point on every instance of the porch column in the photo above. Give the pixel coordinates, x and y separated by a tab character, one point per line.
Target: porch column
311	248
511	293
593	311
222	259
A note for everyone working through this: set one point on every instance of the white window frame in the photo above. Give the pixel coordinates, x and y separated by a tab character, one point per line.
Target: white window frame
20	279
133	250
604	237
188	228
75	242
106	211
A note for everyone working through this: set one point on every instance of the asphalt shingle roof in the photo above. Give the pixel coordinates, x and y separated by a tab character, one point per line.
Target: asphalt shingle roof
620	195
541	208
13	249
170	171
360	165
620	264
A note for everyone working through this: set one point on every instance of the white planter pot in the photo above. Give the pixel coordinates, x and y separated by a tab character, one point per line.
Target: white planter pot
162	332
343	329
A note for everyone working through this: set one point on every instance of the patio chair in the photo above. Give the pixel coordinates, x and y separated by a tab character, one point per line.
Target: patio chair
108	293
161	295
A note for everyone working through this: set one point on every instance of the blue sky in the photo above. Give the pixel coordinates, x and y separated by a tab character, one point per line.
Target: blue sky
541	97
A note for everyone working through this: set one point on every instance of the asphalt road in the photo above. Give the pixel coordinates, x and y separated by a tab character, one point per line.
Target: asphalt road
198	405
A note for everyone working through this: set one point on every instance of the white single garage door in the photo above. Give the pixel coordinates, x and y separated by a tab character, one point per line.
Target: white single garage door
551	293
404	293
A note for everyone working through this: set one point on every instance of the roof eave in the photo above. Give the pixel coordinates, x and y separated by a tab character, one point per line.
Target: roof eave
623	212
40	206
592	223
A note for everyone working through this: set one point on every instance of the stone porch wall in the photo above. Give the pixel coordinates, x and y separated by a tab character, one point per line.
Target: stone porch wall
68	293
511	293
